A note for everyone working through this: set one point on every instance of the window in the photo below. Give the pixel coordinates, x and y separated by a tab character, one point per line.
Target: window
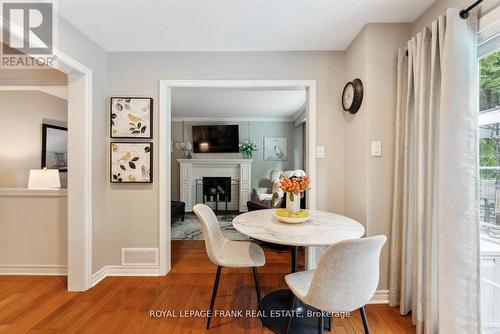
489	184
489	136
489	141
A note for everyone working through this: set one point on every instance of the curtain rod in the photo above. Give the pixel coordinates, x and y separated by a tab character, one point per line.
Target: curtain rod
464	13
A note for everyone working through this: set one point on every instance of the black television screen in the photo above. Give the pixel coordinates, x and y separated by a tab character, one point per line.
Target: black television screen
215	139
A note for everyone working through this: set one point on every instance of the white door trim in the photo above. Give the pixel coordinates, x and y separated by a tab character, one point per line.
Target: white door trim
165	112
79	167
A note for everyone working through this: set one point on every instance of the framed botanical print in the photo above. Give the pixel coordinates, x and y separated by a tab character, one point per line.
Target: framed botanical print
131	162
275	149
131	117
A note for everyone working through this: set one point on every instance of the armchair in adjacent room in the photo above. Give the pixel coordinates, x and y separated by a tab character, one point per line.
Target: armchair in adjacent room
271	196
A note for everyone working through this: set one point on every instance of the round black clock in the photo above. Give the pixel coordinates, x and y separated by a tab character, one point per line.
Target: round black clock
352	96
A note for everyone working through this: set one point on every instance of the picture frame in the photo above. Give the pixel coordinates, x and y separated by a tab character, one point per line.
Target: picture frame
275	148
54	147
131	117
131	162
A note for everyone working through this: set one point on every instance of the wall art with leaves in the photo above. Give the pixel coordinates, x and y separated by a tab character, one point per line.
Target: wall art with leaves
131	162
131	117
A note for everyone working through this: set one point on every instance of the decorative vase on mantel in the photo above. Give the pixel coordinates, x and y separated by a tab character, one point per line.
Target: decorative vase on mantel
292	203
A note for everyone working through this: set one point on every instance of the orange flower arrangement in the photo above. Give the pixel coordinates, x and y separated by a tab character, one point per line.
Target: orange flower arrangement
295	185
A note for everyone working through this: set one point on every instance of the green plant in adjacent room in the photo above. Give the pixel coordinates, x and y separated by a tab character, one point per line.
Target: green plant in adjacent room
247	148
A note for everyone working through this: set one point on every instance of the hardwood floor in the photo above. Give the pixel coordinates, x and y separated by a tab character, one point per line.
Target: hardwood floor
35	304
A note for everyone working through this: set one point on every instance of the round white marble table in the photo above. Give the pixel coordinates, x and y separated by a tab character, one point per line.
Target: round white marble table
322	229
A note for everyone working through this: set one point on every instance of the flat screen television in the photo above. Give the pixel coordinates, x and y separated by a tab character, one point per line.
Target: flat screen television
215	139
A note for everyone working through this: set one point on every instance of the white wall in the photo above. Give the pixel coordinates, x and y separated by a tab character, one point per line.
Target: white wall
21	116
138	74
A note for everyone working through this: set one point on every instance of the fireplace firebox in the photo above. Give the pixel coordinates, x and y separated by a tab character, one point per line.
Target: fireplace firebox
217	189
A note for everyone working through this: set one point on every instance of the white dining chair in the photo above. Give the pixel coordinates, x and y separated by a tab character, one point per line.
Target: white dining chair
344	280
227	253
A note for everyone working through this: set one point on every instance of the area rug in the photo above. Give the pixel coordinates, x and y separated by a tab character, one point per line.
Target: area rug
190	228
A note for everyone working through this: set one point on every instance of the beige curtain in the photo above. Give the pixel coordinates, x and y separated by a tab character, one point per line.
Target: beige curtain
435	223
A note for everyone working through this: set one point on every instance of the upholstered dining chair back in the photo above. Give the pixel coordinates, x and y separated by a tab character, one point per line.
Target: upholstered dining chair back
214	239
347	275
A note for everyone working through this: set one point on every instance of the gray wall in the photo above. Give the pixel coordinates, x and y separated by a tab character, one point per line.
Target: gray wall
32	77
78	46
138	74
33	230
372	57
116	225
22	114
299	146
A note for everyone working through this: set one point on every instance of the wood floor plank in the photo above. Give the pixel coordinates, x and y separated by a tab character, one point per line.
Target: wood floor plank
37	304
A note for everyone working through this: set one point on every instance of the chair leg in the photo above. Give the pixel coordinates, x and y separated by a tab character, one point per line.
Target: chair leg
365	319
291	306
321	326
257	286
214	294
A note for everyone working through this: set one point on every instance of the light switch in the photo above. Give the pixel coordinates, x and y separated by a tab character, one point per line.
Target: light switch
376	148
320	152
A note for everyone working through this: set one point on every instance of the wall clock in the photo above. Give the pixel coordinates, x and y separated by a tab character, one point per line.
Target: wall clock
352	96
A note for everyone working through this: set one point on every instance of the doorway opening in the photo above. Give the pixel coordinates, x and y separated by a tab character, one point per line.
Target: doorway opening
198	121
79	171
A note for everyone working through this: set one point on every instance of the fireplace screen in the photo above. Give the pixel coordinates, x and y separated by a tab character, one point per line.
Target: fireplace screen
217	191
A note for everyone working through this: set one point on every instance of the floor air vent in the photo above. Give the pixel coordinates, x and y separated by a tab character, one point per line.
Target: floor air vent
139	256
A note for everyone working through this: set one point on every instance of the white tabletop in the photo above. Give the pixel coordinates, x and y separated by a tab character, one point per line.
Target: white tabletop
322	229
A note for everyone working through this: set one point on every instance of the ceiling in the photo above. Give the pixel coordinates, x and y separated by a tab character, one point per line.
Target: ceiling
238	25
232	103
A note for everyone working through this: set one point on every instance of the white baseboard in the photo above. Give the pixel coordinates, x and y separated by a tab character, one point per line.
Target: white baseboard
380	297
124	271
34	269
98	276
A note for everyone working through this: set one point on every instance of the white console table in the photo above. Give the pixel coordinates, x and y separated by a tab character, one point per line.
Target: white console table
239	169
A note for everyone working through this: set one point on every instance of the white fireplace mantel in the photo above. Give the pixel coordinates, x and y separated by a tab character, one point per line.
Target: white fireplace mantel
192	169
